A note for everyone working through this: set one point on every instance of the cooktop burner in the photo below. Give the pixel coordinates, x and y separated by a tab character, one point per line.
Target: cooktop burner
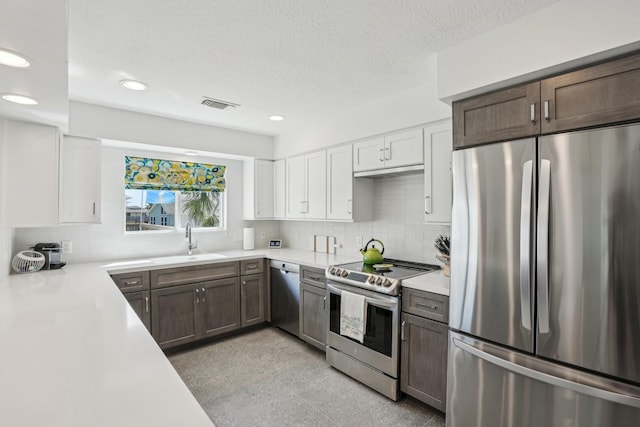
385	277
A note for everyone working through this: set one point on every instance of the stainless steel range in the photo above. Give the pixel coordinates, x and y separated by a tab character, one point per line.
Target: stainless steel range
375	360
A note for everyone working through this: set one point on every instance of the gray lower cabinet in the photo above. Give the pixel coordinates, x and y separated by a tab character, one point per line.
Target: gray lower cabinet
141	304
423	358
313	306
252	303
182	314
135	288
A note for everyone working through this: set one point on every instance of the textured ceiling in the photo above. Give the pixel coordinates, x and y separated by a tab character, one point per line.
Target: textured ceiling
299	58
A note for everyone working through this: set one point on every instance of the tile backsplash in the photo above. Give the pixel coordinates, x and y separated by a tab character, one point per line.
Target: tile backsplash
397	222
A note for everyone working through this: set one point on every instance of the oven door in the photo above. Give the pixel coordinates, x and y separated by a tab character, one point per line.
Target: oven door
380	347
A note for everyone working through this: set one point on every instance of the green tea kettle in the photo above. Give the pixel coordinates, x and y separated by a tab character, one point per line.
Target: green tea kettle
373	255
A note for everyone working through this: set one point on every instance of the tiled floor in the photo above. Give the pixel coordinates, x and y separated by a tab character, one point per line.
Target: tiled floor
269	378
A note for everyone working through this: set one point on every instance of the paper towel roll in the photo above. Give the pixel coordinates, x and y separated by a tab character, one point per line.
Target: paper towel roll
249	239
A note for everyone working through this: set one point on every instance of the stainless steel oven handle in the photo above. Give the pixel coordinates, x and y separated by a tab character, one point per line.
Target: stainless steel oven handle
381	301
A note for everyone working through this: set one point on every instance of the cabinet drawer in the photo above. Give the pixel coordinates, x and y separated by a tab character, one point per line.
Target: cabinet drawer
193	274
132	282
426	304
251	266
313	276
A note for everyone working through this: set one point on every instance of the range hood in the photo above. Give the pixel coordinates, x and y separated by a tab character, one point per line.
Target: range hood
381	173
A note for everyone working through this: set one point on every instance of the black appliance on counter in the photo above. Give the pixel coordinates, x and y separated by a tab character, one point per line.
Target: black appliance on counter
51	252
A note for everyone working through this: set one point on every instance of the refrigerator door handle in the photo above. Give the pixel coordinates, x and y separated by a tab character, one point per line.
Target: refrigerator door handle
549	378
525	244
543	246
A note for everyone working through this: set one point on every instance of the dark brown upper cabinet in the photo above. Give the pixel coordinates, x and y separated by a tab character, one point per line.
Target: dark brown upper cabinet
601	94
497	116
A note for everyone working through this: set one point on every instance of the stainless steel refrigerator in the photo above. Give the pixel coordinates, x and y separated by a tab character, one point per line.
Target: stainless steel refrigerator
545	282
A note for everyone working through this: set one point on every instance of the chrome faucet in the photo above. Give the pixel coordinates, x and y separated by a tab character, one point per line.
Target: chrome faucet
188	235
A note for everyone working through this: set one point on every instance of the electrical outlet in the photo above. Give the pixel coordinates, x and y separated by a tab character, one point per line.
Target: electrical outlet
263	235
67	247
359	241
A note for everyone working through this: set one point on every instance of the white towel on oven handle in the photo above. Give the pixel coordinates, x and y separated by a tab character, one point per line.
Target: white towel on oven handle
353	315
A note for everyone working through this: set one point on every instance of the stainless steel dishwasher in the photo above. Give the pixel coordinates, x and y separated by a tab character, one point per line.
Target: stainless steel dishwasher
285	296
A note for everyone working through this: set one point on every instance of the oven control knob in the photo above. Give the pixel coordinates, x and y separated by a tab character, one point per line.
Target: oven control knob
372	280
345	273
332	270
379	281
386	283
338	271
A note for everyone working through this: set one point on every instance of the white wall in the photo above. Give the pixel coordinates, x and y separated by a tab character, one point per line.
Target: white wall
110	123
397	222
109	241
561	36
401	110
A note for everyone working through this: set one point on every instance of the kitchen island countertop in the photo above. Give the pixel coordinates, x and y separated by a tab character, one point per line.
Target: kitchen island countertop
74	353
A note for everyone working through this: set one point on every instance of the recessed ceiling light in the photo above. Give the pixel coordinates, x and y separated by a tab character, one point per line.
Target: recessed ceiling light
134	85
19	99
276	118
191	153
13	59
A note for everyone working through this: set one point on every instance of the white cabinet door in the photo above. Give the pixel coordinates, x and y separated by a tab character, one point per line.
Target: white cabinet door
279	189
80	180
296	194
438	187
403	149
30	174
316	185
368	155
340	183
307	186
264	186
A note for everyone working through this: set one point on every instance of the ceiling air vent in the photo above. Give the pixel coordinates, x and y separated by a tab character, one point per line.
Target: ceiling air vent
217	103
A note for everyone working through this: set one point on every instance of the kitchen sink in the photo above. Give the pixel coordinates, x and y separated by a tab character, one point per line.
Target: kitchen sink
173	259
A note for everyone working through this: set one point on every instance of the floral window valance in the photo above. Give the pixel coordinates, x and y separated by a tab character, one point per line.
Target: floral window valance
155	174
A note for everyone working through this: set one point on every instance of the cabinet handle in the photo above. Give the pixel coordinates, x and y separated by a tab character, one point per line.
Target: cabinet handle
94	208
350	206
244	287
381	155
533	113
197	297
427	205
402	330
324	303
314	277
203	300
388	151
430	307
546	110
134	282
146	304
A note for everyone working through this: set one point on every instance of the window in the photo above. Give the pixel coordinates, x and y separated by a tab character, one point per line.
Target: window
147	210
166	195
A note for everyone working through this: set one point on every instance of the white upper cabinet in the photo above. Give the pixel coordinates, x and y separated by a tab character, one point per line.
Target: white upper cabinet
306	186
259	186
438	185
80	180
279	173
396	150
348	198
29	175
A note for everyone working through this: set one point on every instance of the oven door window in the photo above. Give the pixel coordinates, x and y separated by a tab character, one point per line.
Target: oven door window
379	330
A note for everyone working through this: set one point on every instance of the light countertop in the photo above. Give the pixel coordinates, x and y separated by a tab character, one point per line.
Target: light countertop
435	282
75	354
